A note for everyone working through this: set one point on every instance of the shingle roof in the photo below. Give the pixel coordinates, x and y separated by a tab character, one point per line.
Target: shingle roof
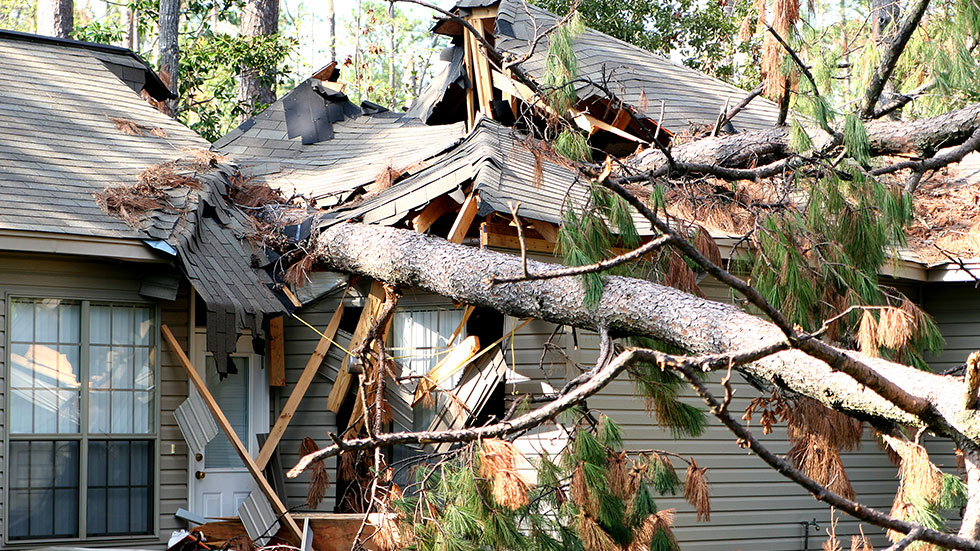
637	76
329	170
58	145
502	166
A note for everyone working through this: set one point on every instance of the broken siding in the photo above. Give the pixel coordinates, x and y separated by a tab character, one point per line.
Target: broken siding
36	275
753	507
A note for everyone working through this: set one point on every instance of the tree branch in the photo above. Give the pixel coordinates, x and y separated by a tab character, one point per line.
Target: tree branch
889	57
819	491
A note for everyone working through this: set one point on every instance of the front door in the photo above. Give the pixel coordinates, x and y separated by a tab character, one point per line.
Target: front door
219	482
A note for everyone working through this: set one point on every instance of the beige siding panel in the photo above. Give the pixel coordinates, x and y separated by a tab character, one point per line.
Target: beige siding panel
71	277
312	418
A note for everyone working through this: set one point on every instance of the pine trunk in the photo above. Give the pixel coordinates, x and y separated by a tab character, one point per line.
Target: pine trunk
261	18
331	34
638	307
56	18
169	28
970	525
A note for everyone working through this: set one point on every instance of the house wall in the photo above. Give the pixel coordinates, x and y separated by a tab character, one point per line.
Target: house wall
49	275
753	508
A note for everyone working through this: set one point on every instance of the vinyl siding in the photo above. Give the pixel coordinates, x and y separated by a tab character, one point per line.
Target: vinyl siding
65	276
752	506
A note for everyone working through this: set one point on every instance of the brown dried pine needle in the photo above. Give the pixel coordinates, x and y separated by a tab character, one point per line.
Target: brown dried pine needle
498	465
319	479
895	327
867	335
696	490
593	536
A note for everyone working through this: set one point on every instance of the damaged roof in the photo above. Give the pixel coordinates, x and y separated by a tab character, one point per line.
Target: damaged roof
348	154
638	77
58	141
502	164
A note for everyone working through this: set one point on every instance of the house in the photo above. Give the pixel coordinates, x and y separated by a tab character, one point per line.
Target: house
189	260
463	188
92	454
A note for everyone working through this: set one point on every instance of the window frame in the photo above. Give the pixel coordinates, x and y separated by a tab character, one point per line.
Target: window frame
85	301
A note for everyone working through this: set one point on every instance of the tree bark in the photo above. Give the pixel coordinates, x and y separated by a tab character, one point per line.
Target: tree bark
921	137
261	18
970	525
637	307
331	30
56	18
169	28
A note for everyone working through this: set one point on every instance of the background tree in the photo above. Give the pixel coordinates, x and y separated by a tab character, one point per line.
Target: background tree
260	20
169	49
56	18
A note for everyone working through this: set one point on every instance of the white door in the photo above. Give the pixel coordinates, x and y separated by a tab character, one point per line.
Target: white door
219	482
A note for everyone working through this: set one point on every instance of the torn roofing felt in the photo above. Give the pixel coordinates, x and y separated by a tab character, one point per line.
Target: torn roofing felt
358	150
501	164
436	96
63	112
638	77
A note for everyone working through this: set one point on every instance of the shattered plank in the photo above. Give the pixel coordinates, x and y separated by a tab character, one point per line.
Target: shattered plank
464	219
470	74
482	66
302	385
277	353
457	357
547	230
372	307
229	431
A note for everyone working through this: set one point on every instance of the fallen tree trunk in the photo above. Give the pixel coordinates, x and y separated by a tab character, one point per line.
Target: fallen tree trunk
920	138
637	307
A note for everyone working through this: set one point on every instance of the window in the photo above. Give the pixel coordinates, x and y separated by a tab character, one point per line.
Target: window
419	340
82	396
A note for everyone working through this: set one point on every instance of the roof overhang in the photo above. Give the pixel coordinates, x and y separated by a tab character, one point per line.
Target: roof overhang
964	271
55	243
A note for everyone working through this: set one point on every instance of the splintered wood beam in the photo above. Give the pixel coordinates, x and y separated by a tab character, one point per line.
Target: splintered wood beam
464	219
471	89
302	385
482	68
591	124
277	353
372	306
229	431
453	361
435	210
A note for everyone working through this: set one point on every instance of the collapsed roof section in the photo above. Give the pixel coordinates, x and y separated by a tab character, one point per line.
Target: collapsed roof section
72	126
314	142
496	164
643	80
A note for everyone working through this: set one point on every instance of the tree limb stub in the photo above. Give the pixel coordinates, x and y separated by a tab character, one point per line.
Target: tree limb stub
637	307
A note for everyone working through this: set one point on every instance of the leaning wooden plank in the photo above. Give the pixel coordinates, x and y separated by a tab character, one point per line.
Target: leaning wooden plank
455	360
229	431
277	354
464	219
470	75
302	385
338	393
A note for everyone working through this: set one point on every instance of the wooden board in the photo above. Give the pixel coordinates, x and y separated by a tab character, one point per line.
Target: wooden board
277	353
464	219
331	532
302	385
338	393
435	210
229	431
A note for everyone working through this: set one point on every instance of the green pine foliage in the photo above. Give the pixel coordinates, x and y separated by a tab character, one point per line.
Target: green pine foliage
661	388
571	144
562	66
